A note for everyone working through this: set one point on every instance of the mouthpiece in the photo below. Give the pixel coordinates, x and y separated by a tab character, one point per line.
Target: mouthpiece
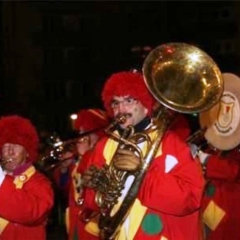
122	118
119	119
5	160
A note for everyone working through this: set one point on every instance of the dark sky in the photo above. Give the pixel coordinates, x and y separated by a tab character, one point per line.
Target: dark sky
109	32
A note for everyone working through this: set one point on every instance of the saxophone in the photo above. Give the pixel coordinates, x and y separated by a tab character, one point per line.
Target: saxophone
181	77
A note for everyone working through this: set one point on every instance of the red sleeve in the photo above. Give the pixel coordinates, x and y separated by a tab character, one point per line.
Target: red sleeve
94	156
222	168
179	190
29	205
84	163
181	127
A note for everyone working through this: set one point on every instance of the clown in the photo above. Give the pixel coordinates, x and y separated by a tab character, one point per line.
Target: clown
221	198
92	123
168	201
26	195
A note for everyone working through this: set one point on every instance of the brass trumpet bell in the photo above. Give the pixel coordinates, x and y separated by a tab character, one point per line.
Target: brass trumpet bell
182	77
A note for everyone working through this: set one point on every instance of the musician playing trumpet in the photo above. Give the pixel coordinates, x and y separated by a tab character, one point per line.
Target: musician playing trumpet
168	201
26	195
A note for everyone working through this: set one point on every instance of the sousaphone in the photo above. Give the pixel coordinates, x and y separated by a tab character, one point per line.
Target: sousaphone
182	78
222	121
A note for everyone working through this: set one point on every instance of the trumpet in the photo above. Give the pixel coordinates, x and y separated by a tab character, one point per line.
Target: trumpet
52	164
59	146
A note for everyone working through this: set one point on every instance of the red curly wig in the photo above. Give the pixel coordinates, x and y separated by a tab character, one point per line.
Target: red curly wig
127	84
91	119
18	130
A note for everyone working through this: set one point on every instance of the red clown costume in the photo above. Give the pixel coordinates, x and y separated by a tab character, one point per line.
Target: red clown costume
221	212
26	196
88	120
167	206
62	179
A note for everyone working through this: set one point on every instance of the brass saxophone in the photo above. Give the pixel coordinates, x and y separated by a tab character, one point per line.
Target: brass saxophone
182	78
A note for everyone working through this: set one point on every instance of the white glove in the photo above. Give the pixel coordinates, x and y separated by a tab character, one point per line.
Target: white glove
2	175
203	156
193	149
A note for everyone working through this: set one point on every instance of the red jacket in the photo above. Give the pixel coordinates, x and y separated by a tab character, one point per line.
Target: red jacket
26	201
168	202
221	212
75	227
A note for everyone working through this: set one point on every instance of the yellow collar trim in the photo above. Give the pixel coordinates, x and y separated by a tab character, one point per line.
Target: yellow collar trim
19	180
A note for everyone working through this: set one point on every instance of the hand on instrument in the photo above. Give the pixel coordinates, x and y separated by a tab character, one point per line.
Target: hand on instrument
126	160
193	149
203	157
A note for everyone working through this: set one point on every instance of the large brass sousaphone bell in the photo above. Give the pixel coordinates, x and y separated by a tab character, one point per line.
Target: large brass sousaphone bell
183	78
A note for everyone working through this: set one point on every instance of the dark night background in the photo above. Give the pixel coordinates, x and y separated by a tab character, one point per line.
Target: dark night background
56	55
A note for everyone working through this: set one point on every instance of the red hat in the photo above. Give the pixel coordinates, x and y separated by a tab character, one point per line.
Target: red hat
91	119
127	84
18	130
